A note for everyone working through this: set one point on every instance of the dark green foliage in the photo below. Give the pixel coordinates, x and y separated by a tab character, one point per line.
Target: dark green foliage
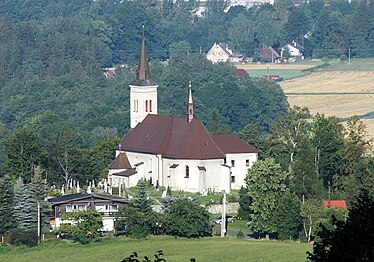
37	191
6	205
305	181
328	140
244	203
22	152
286	216
266	183
253	135
138	219
23	237
351	240
85	228
22	208
185	218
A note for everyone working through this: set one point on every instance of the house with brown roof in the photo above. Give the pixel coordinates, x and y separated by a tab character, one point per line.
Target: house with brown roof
220	52
268	55
176	151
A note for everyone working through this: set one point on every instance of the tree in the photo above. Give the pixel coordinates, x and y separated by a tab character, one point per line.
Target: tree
22	152
305	181
311	213
37	193
6	205
216	126
85	227
297	26
138	219
289	131
286	216
253	135
185	218
328	141
22	210
244	203
266	183
351	240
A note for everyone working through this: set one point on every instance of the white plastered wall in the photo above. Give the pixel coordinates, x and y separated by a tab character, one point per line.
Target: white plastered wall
240	170
138	96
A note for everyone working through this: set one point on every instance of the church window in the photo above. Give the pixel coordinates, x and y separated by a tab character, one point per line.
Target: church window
150	105
232	163
247	162
150	166
146	105
187	175
134	105
232	179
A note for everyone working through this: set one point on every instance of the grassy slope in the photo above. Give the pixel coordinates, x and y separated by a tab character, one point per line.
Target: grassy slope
178	250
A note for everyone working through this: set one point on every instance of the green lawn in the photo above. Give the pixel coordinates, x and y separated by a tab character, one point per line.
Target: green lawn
178	250
285	73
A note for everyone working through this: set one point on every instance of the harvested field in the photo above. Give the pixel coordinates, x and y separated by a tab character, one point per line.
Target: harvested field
295	66
334	93
331	82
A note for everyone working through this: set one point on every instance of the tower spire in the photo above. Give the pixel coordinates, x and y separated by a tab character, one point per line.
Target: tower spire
143	72
190	105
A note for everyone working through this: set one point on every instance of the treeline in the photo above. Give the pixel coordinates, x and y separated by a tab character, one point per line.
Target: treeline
306	159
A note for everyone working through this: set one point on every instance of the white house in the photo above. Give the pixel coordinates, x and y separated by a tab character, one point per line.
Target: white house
221	53
176	151
295	50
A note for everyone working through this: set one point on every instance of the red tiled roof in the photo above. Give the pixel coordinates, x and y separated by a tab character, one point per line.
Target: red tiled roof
172	137
335	203
240	72
120	162
232	144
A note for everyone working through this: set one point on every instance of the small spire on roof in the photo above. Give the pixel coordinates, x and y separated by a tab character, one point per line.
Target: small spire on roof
190	104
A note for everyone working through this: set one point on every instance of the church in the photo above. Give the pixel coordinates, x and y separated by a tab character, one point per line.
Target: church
175	151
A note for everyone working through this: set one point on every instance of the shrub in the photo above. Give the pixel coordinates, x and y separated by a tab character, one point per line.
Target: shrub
23	237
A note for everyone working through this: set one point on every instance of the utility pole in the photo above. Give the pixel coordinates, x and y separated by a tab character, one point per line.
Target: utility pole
223	218
349	56
38	222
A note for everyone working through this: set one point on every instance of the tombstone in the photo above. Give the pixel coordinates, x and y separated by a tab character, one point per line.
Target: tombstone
78	188
164	193
89	189
63	190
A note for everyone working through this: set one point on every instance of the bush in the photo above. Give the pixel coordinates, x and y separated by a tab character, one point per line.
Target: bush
23	237
240	234
343	58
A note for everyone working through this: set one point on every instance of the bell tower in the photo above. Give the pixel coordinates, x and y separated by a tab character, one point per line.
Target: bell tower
143	91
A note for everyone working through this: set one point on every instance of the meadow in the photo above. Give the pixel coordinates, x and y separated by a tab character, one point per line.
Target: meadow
175	249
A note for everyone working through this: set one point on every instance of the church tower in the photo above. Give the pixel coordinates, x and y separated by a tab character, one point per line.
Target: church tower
190	105
143	91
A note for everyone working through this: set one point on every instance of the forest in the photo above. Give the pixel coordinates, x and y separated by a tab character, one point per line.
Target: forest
55	99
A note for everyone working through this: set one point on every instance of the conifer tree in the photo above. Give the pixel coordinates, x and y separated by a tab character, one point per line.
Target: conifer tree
37	192
6	205
22	212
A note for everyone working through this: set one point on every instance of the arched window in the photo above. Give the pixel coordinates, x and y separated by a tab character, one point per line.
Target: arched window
150	166
187	175
134	105
146	105
150	105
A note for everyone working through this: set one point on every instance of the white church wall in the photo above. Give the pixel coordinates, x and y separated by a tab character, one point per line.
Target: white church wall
148	169
214	178
138	97
239	167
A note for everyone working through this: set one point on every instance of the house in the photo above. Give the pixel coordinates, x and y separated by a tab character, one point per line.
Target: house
335	203
294	50
268	55
221	53
106	204
175	151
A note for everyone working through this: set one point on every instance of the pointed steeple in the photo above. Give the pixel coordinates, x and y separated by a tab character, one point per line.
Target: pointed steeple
143	73
190	105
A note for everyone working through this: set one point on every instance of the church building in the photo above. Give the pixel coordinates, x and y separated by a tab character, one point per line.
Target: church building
175	151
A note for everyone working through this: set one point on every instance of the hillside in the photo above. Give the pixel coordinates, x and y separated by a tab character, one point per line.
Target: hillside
340	89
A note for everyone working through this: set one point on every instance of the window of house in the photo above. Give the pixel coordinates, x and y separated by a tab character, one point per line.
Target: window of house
247	162
150	165
187	175
232	179
232	163
134	105
146	105
150	105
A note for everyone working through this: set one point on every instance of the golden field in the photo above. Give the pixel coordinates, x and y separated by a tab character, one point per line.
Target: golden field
338	93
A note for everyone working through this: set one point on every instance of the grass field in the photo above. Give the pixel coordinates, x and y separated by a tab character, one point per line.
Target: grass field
178	250
340	89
